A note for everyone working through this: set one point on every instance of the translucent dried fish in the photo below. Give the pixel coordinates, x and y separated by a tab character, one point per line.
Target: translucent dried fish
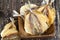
32	24
25	7
9	29
51	15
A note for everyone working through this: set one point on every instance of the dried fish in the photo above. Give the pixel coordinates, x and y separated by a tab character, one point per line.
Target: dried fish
9	29
25	7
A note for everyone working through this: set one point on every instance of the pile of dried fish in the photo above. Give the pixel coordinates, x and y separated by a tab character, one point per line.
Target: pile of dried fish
37	21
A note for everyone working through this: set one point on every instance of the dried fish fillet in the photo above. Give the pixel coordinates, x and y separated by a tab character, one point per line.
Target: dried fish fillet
48	12
25	7
8	30
36	25
51	15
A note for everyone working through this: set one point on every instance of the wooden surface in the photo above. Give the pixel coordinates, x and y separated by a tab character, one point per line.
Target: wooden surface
6	7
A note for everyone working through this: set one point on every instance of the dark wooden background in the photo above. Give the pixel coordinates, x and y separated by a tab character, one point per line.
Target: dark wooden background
6	7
